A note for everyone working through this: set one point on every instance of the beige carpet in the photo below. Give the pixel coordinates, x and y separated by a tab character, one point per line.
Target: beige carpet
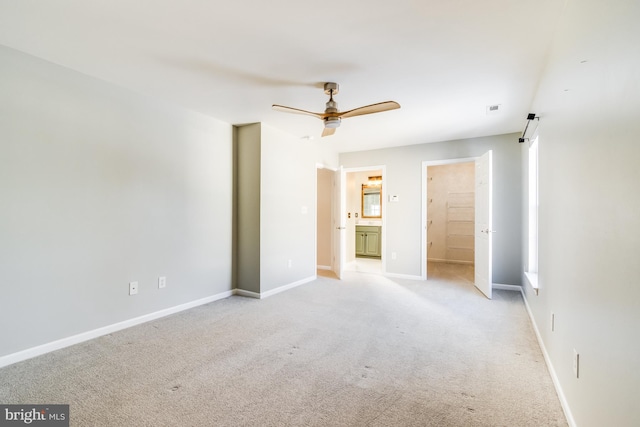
365	351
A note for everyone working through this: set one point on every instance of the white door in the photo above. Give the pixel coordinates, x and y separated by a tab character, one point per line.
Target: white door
339	222
483	229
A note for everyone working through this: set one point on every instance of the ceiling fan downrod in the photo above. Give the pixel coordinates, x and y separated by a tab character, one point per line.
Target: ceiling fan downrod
331	121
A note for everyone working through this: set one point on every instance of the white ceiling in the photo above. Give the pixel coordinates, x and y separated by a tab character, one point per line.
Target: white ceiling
443	61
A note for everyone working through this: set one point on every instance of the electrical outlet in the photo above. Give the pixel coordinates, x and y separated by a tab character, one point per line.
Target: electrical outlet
162	282
133	288
394	255
576	363
290	264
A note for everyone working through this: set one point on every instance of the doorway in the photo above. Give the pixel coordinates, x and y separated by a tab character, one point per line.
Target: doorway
365	231
324	218
330	220
451	213
456	216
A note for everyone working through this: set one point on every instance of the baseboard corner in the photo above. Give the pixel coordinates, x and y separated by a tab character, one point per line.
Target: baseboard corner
506	287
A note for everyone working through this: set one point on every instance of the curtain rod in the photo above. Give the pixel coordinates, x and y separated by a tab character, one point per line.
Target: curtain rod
530	116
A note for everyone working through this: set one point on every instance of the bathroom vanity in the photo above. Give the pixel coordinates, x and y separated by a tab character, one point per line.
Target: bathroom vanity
368	241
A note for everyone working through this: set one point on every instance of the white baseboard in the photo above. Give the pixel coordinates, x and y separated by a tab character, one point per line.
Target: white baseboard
244	293
323	267
505	287
287	287
262	295
86	336
554	377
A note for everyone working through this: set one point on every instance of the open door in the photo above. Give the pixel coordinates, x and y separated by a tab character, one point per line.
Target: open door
339	222
483	230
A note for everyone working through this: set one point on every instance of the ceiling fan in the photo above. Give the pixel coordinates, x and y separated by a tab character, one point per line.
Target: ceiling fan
332	116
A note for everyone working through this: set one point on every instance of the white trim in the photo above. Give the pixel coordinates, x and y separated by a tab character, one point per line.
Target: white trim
287	287
532	279
554	377
244	293
262	295
89	335
505	287
86	336
323	166
323	267
449	161
365	169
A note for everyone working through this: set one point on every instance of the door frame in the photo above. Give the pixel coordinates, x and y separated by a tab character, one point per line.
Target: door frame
423	219
333	220
383	237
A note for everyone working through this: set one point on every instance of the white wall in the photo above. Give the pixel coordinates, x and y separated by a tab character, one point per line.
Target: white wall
288	209
99	187
403	177
589	105
276	197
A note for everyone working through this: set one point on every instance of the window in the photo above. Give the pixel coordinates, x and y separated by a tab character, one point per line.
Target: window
532	261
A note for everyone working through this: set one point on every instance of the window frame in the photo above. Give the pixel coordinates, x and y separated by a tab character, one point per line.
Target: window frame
533	207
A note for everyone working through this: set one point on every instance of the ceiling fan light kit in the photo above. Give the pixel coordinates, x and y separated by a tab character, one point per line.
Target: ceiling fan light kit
332	122
332	117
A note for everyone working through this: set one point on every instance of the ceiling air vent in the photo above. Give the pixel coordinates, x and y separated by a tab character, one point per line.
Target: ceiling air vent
494	109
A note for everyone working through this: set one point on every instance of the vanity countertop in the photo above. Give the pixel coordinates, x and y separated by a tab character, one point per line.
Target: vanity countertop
365	222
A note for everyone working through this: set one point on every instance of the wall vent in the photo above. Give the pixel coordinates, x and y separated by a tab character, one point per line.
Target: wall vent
494	109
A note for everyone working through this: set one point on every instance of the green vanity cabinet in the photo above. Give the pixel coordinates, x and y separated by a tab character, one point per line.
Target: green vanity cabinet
368	241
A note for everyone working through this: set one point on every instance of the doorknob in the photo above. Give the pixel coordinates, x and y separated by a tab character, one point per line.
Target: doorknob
341	228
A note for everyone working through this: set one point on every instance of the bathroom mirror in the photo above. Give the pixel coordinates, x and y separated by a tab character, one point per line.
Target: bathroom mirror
371	201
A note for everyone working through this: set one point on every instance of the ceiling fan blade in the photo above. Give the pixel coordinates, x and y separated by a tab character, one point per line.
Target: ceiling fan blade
328	131
370	109
296	111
